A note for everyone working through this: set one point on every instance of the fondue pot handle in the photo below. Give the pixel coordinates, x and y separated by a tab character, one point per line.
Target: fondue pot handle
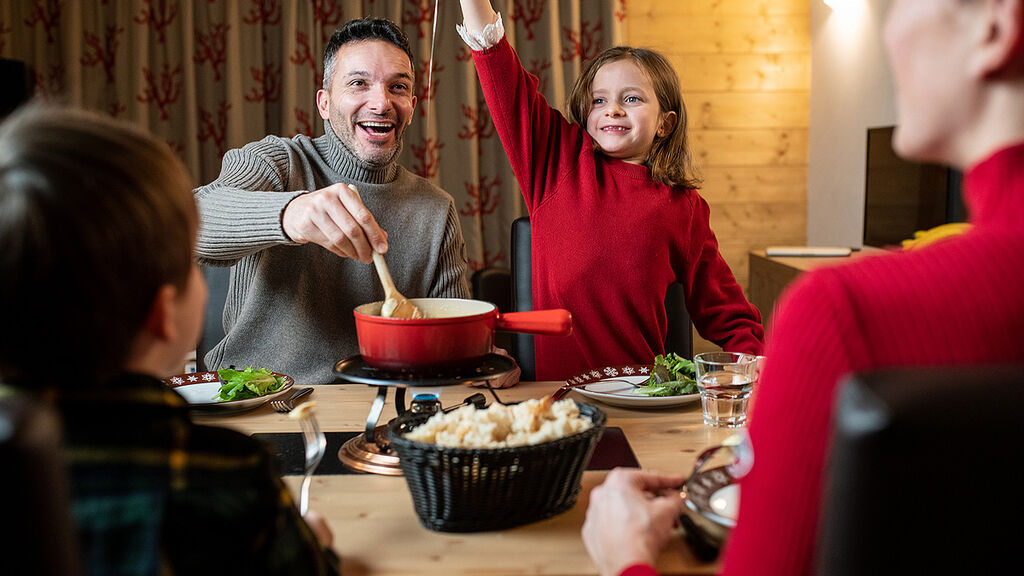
555	322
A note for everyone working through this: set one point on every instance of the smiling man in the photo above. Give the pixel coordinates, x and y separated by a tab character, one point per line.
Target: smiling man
299	218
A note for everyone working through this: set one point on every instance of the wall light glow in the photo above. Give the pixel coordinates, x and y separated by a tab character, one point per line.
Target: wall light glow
844	6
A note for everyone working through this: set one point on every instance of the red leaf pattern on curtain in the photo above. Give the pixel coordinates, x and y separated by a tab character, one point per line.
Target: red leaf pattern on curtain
211	46
46	13
51	83
266	12
420	15
268	84
304	52
620	11
427	157
303	124
496	259
528	13
102	51
483	197
162	91
539	68
329	15
479	122
116	109
214	128
424	92
584	44
158	17
4	31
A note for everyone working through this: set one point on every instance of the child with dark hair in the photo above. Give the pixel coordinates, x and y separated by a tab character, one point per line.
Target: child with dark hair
101	297
614	211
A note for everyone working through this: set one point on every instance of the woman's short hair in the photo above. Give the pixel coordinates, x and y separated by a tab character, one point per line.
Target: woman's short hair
669	160
95	216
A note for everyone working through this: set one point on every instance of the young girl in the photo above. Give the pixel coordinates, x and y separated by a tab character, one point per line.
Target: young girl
614	213
959	104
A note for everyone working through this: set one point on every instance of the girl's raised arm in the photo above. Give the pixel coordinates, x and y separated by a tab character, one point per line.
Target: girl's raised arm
477	14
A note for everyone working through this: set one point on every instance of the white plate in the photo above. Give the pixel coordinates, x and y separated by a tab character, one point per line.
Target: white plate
200	390
614	385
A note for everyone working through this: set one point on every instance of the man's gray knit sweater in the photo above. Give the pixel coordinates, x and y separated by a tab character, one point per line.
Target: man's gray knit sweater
289	306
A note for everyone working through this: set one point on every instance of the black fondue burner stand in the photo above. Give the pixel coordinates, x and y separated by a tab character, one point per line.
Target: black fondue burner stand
371	451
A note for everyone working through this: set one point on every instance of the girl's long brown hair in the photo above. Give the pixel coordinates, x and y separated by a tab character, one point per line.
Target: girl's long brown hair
669	160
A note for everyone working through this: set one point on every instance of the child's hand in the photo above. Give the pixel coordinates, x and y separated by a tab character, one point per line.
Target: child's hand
477	14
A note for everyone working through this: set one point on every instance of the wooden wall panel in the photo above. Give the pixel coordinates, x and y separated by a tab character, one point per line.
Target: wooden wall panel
680	8
738	110
734	72
718	34
779	183
745	70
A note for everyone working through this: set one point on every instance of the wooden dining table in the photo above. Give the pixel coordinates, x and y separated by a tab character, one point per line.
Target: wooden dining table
376	530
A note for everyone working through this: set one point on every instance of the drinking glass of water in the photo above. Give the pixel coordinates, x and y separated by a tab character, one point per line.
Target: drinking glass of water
725	380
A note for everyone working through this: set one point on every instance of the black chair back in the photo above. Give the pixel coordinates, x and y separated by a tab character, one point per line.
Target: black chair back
678	338
522	295
40	537
494	284
217	279
17	79
923	477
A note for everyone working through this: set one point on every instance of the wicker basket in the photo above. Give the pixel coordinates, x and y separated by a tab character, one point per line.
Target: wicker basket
474	490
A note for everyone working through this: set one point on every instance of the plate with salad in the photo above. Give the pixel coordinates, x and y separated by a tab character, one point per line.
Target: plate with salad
670	381
228	390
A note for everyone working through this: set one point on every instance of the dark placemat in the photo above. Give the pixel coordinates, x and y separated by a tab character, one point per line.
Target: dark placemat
291	450
612	450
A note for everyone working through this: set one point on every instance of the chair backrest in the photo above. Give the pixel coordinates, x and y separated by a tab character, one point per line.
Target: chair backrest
678	338
40	536
494	284
17	79
922	477
217	279
522	295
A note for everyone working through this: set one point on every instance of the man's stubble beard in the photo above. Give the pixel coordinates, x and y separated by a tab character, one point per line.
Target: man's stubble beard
356	151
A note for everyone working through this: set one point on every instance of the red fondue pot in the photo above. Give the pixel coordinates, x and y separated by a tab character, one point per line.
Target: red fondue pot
454	333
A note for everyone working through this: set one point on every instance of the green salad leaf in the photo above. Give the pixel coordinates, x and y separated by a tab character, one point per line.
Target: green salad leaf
248	383
671	375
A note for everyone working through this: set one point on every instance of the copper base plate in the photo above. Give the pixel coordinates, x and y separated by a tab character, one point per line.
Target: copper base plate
364	456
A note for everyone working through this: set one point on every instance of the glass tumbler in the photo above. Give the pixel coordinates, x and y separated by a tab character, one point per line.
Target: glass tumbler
725	380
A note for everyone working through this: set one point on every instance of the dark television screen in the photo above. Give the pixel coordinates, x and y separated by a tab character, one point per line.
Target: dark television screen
902	197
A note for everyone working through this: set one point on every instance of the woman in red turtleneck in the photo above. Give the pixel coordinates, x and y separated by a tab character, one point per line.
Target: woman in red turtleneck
959	72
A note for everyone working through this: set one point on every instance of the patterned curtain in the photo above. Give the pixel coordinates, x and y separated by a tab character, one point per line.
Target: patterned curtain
211	75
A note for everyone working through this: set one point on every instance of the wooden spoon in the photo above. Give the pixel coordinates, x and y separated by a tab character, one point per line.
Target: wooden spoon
395	305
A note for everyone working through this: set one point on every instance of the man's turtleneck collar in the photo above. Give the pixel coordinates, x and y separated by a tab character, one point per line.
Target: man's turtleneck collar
347	165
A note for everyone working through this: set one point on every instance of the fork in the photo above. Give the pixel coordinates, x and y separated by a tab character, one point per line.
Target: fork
316	445
287	404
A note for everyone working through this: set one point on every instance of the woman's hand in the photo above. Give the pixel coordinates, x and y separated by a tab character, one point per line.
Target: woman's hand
630	518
